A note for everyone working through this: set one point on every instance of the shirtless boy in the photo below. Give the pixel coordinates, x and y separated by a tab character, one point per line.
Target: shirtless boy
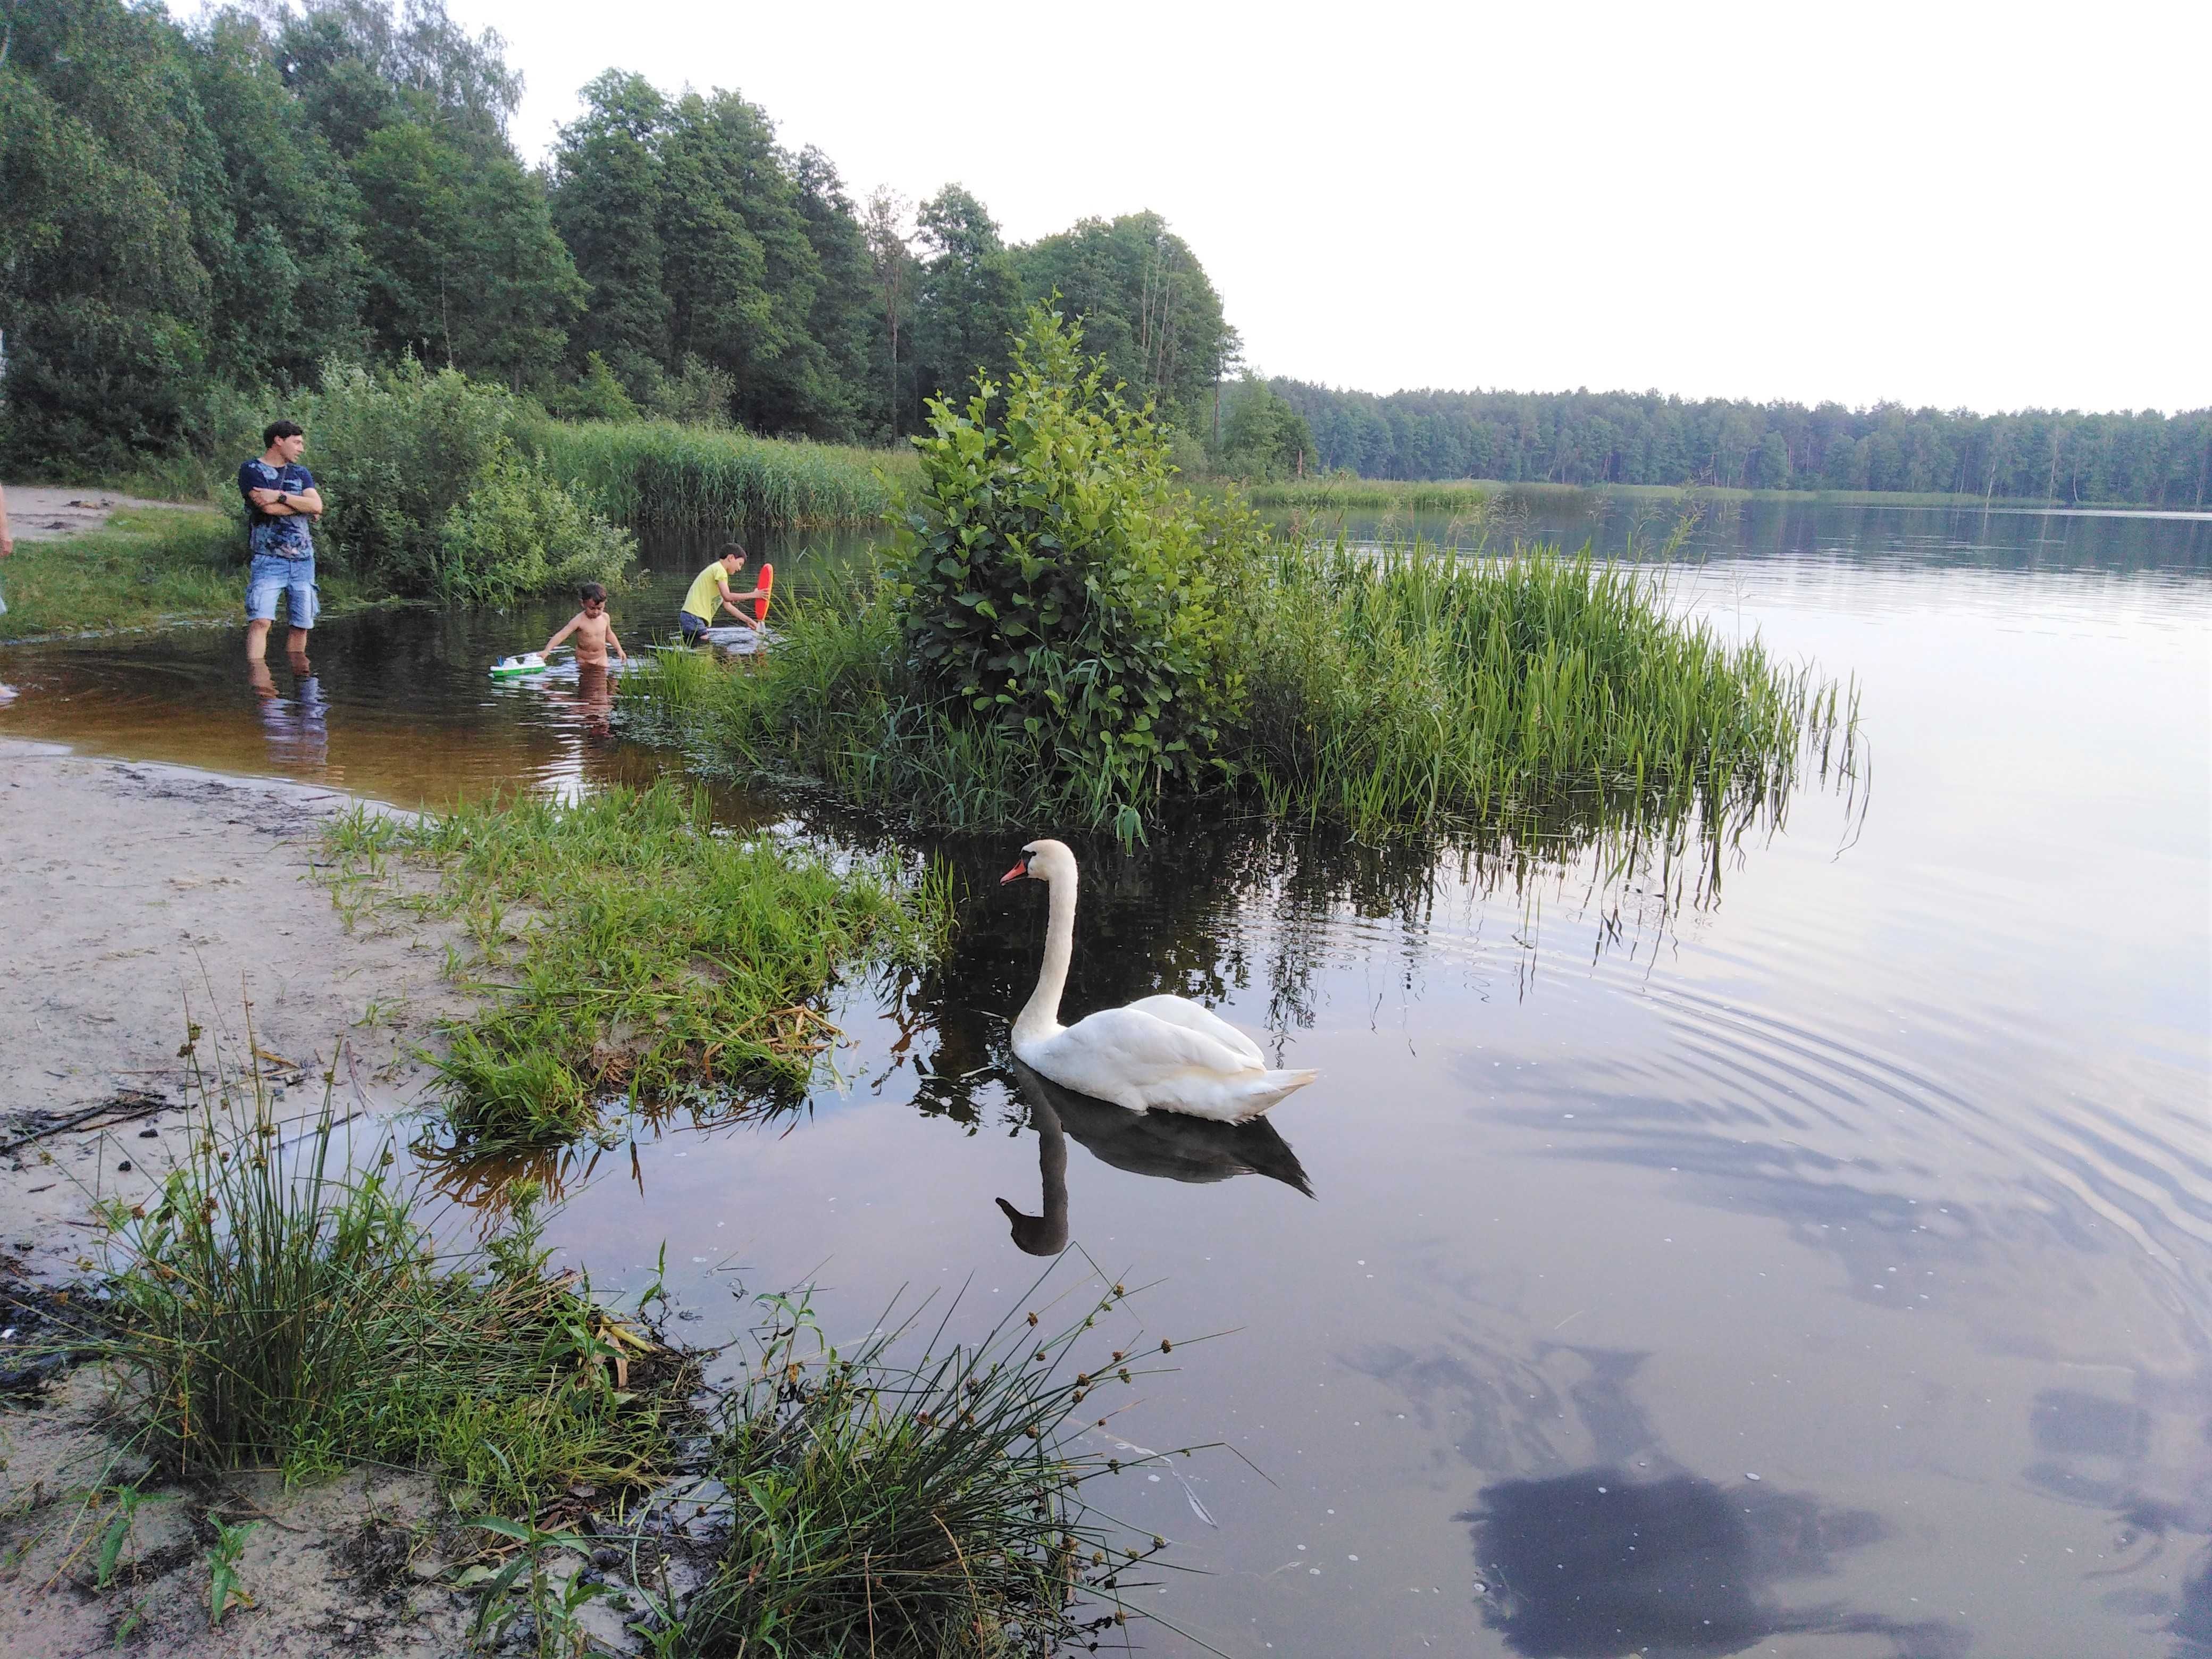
593	628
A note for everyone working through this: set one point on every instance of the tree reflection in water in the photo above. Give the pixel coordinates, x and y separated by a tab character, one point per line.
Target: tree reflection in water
1593	1564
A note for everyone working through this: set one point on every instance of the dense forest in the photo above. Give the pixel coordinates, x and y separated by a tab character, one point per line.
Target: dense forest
1633	437
201	215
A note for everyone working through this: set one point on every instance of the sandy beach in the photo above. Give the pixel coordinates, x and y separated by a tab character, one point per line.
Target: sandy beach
142	897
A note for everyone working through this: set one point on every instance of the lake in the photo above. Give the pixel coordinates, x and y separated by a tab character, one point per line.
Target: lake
1806	1255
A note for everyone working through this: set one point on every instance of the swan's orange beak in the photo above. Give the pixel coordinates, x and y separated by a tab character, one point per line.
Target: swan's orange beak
1016	873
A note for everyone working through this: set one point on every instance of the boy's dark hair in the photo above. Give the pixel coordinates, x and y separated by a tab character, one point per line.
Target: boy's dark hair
592	590
276	429
734	550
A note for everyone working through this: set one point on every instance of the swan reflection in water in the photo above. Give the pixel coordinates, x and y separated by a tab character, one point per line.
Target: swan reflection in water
1165	1144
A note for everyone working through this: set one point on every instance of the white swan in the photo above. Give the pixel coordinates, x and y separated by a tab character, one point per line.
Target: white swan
1159	1054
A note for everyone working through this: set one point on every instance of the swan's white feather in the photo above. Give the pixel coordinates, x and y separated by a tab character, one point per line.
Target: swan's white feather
1135	1059
1195	1016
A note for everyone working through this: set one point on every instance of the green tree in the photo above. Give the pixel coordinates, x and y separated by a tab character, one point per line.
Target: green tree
1262	435
465	269
606	203
104	301
1144	302
970	297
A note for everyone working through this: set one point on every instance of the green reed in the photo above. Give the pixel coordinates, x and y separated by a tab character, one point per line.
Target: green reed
1386	694
281	1304
1336	493
629	950
932	1507
659	472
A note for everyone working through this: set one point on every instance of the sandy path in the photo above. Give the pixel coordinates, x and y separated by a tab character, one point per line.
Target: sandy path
133	893
37	512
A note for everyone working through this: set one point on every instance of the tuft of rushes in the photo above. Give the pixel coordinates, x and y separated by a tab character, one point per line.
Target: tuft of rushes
661	473
629	950
280	1304
935	1508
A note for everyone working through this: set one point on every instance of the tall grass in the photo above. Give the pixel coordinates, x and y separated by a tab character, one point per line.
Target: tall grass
1338	492
282	1305
929	1509
657	472
1412	691
1416	687
631	950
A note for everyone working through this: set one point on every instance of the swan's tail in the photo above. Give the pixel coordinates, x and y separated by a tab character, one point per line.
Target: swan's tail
1272	1087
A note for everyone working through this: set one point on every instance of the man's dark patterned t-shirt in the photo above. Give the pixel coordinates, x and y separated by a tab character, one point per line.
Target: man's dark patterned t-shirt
283	536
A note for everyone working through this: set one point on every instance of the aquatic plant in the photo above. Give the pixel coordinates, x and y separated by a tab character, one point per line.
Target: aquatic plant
1387	693
429	496
659	472
932	1507
639	952
281	1303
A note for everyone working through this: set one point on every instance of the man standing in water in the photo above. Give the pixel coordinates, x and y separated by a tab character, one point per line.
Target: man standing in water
281	497
710	591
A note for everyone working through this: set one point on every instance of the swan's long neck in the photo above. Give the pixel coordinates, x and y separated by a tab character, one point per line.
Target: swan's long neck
1041	1016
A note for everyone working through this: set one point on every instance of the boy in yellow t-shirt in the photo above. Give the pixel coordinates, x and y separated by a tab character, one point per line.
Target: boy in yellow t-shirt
710	591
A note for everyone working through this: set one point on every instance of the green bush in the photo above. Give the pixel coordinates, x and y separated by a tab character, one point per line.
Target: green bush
521	533
1054	581
429	496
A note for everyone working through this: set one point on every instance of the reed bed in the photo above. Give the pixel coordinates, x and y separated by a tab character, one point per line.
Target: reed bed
1333	493
660	473
281	1304
1392	694
631	950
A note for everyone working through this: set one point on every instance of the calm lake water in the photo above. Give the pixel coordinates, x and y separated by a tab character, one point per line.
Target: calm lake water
1814	1265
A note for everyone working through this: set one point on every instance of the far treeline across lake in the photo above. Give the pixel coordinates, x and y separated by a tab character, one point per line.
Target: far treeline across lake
207	217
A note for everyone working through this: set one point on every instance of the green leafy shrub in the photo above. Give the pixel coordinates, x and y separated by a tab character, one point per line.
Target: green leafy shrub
520	531
1054	581
429	496
596	395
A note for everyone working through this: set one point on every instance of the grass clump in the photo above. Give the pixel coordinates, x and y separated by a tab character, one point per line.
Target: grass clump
661	473
1419	688
146	568
277	1306
927	1509
1392	694
628	948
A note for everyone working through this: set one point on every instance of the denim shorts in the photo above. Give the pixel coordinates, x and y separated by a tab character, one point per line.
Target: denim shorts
270	575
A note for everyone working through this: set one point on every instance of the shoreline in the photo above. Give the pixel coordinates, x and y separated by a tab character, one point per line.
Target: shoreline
145	894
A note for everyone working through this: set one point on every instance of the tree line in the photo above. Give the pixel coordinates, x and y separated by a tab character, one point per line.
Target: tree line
202	214
199	215
1643	438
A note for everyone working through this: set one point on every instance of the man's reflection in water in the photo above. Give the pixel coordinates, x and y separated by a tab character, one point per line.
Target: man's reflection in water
1593	1564
1164	1144
296	727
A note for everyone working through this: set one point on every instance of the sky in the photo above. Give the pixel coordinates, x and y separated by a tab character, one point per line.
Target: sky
1969	205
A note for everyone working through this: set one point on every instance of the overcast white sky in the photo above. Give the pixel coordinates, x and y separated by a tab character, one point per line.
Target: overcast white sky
1976	205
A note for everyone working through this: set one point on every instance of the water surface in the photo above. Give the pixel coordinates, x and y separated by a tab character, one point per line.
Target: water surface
1813	1265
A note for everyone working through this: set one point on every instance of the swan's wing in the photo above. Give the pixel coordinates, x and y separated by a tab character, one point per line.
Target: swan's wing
1180	1010
1126	1054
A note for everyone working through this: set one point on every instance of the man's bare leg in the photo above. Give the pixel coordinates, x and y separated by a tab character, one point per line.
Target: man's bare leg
256	639
296	646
